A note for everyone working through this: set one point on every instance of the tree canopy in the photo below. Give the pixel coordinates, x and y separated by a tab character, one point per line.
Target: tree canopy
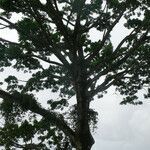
57	33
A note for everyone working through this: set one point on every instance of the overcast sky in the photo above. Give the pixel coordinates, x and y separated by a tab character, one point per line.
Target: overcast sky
122	127
119	127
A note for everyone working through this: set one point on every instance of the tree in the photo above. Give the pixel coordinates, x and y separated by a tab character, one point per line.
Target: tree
57	32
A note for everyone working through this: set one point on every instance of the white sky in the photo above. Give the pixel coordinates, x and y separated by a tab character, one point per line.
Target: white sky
119	127
122	127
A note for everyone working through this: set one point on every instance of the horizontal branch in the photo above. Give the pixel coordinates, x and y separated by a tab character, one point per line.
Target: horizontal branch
7	41
27	146
53	117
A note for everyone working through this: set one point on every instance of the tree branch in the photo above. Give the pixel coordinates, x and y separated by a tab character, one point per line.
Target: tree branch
7	21
105	37
32	55
77	24
136	45
57	18
96	21
10	42
47	60
125	39
27	146
53	117
37	17
117	64
68	22
4	26
114	55
109	81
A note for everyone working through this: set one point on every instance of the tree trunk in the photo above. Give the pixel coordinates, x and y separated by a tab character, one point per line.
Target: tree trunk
83	130
83	134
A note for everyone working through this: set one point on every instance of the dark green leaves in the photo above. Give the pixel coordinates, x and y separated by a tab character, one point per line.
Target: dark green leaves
7	5
28	28
55	47
59	104
137	78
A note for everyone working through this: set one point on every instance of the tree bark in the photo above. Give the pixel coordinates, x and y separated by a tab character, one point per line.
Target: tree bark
83	134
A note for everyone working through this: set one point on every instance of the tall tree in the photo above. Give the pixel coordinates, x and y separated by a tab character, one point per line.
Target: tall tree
57	32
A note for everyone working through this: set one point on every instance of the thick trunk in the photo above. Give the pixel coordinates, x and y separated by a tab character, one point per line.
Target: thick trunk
85	143
83	130
83	134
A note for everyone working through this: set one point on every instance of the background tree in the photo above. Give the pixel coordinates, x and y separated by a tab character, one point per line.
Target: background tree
57	32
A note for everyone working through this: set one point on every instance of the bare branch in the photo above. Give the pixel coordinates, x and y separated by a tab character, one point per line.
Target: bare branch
132	34
27	146
68	22
7	41
8	22
104	86
56	6
47	60
4	26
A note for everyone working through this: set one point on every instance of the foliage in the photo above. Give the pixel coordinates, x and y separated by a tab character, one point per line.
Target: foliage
54	47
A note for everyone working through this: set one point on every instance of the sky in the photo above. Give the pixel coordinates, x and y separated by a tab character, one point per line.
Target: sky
120	127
